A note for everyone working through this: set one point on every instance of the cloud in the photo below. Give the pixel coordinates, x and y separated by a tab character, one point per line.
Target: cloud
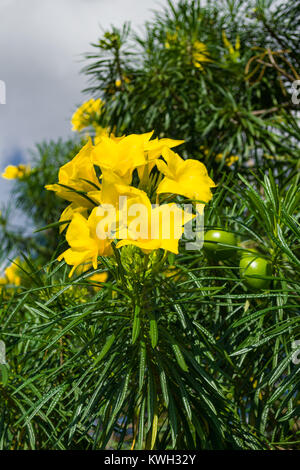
42	43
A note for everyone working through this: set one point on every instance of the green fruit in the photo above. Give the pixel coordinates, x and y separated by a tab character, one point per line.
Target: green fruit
212	238
254	265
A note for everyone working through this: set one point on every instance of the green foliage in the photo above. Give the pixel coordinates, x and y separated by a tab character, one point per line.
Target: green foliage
238	103
172	351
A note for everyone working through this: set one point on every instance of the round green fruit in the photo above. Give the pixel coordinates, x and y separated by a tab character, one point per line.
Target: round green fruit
254	265
212	238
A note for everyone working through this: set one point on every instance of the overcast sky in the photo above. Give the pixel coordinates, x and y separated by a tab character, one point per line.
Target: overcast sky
41	47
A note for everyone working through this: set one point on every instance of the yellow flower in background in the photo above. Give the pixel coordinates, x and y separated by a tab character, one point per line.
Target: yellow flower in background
85	114
15	172
234	53
77	175
204	150
118	83
12	274
171	38
187	178
85	245
200	55
229	161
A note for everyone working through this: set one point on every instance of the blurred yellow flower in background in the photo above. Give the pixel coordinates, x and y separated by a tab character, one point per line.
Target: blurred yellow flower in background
86	113
15	172
200	55
233	52
229	161
12	274
170	39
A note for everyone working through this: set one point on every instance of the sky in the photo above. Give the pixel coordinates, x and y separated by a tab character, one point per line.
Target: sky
42	43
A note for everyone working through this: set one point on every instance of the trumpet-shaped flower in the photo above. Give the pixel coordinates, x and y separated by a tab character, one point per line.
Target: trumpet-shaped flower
119	203
68	214
163	227
85	244
154	147
187	178
77	175
228	160
121	156
233	52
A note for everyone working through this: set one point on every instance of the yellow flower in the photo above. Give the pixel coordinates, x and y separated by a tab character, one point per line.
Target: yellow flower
164	228
118	83
121	156
187	178
68	214
11	274
231	160
85	114
154	147
200	55
122	198
85	245
233	51
171	39
77	175
153	150
14	172
228	160
204	150
101	132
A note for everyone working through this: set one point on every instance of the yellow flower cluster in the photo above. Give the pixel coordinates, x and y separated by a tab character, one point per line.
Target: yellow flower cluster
123	173
12	172
86	114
